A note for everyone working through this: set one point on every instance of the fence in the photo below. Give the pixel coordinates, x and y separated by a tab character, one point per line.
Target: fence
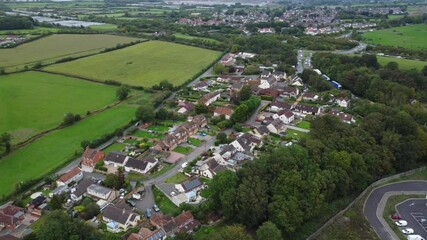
358	198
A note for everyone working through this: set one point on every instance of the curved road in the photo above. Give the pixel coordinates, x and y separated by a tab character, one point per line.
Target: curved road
375	203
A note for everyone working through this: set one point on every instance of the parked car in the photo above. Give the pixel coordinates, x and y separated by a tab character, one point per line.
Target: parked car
156	208
415	237
203	134
401	223
407	230
136	196
132	203
395	216
148	213
423	221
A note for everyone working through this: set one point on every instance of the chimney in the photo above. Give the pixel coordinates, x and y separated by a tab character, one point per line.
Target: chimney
123	211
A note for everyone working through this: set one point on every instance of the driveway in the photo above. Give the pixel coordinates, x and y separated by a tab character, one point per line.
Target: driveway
374	205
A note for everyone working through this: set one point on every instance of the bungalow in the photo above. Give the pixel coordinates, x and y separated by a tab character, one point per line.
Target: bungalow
267	82
210	98
279	75
102	193
290	92
304	110
210	168
343	102
261	131
140	166
119	219
345	117
201	86
272	92
80	190
308	96
277	106
186	107
265	74
286	116
192	184
228	59
246	142
276	126
223	111
184	222
11	217
117	159
147	234
228	78
89	159
74	175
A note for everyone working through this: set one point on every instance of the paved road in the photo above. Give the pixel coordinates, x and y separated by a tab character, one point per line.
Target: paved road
359	48
412	210
375	203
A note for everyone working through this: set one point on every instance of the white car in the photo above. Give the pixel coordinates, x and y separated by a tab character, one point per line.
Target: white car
401	223
407	230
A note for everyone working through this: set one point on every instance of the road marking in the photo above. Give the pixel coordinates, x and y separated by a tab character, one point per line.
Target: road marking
420	216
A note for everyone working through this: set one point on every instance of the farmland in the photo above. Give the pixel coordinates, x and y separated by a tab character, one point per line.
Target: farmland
55	47
45	154
144	64
184	36
404	64
412	36
32	101
34	31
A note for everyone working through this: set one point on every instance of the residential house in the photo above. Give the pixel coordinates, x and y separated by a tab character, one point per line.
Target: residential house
343	102
210	168
117	159
100	192
210	98
147	234
228	78
200	120
276	126
11	217
140	166
228	59
286	116
277	106
290	92
223	111
261	131
192	184
201	86
265	74
296	81
80	190
267	82
224	154
37	202
278	75
74	175
272	92
184	222
345	117
89	159
246	142
186	107
309	96
304	110
119	219
236	86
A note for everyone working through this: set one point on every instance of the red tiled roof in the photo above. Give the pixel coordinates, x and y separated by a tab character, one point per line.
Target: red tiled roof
223	111
70	174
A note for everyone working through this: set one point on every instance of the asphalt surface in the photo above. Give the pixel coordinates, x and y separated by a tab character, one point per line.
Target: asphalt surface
412	210
377	199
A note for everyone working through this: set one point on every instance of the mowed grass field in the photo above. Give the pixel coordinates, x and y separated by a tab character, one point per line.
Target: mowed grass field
33	101
34	31
45	154
412	36
55	47
144	64
404	64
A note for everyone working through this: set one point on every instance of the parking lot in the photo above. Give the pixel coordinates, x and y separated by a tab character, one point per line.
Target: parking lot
413	210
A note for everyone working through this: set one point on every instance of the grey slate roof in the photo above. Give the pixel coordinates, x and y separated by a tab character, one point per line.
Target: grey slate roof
116	214
191	184
82	187
137	164
117	157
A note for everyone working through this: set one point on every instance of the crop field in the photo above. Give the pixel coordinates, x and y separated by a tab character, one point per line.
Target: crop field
184	36
104	27
47	153
55	47
144	64
412	37
32	101
404	64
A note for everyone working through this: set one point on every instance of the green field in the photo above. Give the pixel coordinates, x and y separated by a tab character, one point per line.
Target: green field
183	36
144	64
104	27
33	101
45	154
391	17
55	47
404	64
34	31
412	36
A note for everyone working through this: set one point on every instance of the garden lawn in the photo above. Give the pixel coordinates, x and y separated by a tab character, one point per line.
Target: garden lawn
58	46
195	142
142	134
51	151
404	64
144	64
411	36
177	178
32	101
182	150
114	147
297	135
304	124
158	128
165	205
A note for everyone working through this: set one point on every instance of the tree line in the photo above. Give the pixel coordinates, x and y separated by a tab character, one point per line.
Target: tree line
16	22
